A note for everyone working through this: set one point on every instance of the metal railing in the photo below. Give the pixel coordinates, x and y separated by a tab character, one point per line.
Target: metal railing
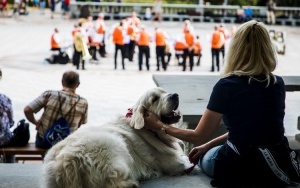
180	11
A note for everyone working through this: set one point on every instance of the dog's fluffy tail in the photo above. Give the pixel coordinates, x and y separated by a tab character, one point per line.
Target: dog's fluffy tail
93	165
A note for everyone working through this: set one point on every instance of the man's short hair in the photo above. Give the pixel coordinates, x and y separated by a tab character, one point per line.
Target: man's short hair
70	79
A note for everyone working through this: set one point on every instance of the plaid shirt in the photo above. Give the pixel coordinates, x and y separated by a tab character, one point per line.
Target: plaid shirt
49	101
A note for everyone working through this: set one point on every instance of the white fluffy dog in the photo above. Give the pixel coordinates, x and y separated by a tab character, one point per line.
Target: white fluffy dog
120	153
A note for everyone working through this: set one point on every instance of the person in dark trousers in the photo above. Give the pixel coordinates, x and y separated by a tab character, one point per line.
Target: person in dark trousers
50	102
78	39
216	44
160	47
143	41
271	6
189	51
101	30
118	40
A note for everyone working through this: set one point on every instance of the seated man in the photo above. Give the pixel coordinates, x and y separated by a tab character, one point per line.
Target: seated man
55	47
55	41
240	13
248	13
180	47
56	104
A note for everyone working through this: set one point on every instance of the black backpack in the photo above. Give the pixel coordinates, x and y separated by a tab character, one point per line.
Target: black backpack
21	134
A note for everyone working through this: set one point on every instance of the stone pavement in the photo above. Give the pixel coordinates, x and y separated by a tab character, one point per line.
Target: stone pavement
25	43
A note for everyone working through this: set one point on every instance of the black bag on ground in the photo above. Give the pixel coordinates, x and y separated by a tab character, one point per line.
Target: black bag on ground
62	58
21	134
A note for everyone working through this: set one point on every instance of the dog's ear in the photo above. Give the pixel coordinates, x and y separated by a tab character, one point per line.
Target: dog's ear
137	119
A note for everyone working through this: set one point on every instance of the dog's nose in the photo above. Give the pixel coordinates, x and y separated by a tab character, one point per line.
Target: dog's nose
174	96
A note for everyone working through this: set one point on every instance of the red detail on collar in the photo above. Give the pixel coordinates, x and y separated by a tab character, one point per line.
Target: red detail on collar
129	113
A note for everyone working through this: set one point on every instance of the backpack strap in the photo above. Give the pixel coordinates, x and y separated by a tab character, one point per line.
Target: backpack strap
60	105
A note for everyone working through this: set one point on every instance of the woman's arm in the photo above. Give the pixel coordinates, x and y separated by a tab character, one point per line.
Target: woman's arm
198	151
206	126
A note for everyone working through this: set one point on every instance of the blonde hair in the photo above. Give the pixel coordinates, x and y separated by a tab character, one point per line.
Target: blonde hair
251	52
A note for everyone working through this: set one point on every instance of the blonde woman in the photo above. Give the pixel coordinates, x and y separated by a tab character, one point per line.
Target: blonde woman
251	102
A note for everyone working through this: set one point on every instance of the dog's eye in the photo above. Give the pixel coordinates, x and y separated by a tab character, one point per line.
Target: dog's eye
154	99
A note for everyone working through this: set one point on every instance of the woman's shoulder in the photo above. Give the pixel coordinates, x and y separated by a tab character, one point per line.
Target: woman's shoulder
278	78
232	79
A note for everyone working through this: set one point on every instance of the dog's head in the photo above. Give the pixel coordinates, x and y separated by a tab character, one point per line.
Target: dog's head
159	102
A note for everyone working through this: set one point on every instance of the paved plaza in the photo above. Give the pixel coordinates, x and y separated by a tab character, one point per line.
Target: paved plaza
25	43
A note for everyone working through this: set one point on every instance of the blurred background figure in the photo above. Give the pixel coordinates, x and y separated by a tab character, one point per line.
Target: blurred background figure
6	122
42	5
55	41
143	41
198	49
52	4
3	7
160	46
217	42
118	39
248	13
148	14
66	9
101	30
240	14
157	10
271	6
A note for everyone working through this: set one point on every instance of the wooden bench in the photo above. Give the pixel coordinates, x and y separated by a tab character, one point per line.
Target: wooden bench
28	152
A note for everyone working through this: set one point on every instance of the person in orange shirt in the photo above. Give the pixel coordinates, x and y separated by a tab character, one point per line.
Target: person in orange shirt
3	7
101	29
189	51
76	53
198	49
55	41
118	40
143	42
55	47
94	43
180	47
160	46
216	43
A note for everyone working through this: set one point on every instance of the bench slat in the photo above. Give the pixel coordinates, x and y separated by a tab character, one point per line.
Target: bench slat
30	149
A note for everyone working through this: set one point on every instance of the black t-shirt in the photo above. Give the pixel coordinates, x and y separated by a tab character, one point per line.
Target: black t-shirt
253	113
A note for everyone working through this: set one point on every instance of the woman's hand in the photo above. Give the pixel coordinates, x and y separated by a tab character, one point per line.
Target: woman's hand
151	121
197	152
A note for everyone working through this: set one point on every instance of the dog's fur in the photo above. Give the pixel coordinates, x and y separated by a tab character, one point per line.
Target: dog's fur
120	153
